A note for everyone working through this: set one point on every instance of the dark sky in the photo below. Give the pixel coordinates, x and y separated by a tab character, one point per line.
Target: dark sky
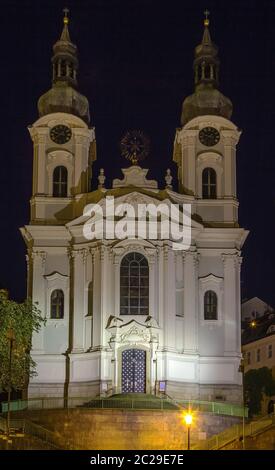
136	68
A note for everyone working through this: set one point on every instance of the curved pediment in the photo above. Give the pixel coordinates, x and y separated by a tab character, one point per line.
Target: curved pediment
135	176
132	331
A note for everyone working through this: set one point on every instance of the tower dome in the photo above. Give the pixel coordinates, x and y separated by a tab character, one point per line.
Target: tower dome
64	96
207	99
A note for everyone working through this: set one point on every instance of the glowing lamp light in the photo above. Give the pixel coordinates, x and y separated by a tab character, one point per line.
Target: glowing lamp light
253	324
188	418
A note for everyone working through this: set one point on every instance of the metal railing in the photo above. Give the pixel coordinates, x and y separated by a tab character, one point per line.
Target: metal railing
159	403
45	435
15	425
236	433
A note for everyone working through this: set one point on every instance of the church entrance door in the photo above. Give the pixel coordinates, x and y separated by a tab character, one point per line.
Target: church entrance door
134	371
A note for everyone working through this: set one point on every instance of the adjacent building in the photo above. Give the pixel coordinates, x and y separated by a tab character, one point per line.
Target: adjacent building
258	345
254	308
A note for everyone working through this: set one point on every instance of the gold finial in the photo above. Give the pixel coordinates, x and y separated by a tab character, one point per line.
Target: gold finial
66	11
206	19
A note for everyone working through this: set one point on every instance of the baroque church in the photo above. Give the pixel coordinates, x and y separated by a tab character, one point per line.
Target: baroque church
135	315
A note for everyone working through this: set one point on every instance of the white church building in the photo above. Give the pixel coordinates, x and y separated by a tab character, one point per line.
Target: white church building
135	315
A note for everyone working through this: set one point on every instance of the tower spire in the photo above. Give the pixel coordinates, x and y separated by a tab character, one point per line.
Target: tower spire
206	62
64	60
206	20
207	98
206	39
65	35
64	96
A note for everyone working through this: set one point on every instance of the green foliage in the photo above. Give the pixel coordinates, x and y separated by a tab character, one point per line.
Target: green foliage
24	319
256	383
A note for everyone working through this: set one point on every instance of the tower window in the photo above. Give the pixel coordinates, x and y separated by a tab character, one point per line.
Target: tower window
60	181
57	304
63	68
207	71
210	305
209	184
249	358
70	70
258	355
269	351
134	285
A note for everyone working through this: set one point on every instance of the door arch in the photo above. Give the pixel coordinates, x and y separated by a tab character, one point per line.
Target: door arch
133	374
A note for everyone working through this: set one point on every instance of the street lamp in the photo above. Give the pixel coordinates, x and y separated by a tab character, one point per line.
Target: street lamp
188	418
10	338
241	369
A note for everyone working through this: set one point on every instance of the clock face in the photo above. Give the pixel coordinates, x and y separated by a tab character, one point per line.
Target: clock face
209	136
60	134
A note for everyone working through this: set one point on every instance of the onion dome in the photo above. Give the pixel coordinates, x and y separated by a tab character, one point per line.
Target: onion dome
64	96
207	99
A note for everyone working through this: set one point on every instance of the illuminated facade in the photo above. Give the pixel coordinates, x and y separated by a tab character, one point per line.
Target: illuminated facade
135	315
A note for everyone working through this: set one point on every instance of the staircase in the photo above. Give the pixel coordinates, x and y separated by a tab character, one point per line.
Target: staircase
232	437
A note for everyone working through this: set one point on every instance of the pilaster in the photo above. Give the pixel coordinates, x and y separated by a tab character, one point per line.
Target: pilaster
190	301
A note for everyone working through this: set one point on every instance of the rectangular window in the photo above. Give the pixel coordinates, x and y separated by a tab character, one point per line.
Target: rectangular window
269	353
258	355
249	358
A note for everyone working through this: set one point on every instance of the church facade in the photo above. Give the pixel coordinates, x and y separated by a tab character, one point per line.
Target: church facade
135	315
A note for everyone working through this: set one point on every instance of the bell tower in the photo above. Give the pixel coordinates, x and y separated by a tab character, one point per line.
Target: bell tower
205	145
64	143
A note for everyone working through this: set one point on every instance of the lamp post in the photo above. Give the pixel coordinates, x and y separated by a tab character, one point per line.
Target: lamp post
241	369
11	338
188	418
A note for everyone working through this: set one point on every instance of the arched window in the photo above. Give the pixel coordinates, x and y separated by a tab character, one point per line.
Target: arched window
209	183
60	181
134	285
210	305
57	304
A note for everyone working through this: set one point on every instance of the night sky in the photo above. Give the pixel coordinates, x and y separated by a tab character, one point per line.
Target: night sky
136	68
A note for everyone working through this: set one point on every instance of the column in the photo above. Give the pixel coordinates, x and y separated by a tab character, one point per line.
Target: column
79	262
101	296
189	160
38	295
230	304
105	291
190	302
40	178
161	306
116	270
238	264
152	280
83	138
89	293
231	139
169	289
96	299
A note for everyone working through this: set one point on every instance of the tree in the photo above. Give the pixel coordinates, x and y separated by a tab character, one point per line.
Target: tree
24	319
256	383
